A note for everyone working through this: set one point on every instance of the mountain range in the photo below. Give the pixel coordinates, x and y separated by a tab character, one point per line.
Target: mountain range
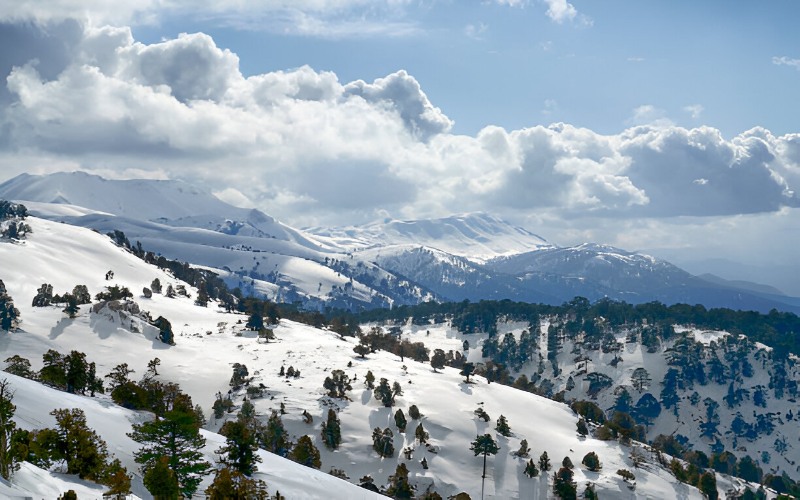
466	257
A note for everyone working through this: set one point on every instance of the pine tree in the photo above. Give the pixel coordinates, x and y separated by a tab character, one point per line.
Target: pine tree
437	360
524	449
8	460
19	366
592	461
9	315
414	413
161	481
274	437
567	462
544	462
707	484
164	330
484	445
156	285
176	437
382	441
421	434
564	486
241	446
384	393
305	453
337	384
332	431
118	482
400	420
369	380
582	429
530	469
79	446
502	426
231	484
399	487
467	370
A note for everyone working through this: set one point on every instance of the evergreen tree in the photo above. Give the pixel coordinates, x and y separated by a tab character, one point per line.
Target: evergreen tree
118	482
332	431
437	360
337	384
384	393
54	372
567	462
467	370
582	429
564	486
414	413
77	376
71	309
275	438
707	484
161	481
530	469
502	426
305	453
484	445
176	437
399	487
382	441
400	420
156	285
231	484
544	462
79	446
44	296
369	380
19	366
164	330
421	434
240	447
9	315
363	347
592	462
8	460
524	449
589	493
640	379
81	294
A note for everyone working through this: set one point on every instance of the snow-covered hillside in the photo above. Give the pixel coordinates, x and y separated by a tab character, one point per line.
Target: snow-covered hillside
477	236
208	342
383	264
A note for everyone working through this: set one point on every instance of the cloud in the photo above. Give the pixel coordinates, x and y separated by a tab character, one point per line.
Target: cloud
475	31
786	61
560	10
319	18
401	92
647	114
310	149
694	110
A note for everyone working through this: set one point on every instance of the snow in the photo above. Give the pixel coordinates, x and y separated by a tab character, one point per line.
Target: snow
208	342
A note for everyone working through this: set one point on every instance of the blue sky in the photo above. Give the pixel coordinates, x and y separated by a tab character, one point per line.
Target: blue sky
484	63
661	126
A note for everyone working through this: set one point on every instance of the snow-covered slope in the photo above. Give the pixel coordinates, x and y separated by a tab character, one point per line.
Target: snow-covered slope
208	342
472	256
175	203
477	236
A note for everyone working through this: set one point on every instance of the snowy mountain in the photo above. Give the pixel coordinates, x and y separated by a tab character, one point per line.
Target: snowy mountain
476	236
383	264
209	341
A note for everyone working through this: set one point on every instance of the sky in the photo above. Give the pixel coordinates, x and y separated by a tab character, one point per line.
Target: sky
665	127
